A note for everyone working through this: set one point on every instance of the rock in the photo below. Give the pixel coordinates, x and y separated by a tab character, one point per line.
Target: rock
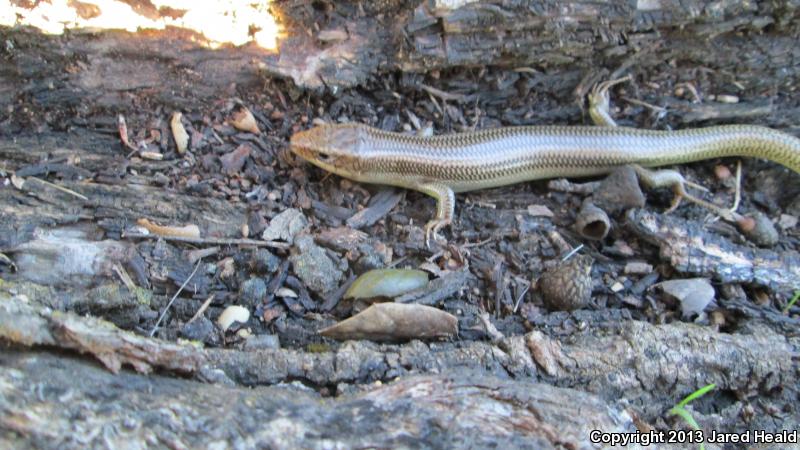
318	271
233	162
619	191
253	291
759	229
264	261
262	341
787	221
371	258
285	226
199	329
540	211
694	294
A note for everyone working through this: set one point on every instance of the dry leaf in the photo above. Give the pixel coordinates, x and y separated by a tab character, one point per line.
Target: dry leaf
395	322
387	283
242	119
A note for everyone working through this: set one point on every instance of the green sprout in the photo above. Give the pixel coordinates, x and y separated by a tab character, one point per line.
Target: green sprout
791	302
680	410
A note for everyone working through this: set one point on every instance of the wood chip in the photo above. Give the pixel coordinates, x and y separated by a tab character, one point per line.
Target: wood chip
539	211
179	133
187	231
637	268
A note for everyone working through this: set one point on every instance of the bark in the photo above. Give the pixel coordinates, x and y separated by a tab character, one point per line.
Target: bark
432	411
738	45
634	362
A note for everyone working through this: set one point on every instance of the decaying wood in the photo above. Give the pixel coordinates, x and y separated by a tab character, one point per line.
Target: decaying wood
692	251
448	410
613	363
562	37
556	46
120	205
25	323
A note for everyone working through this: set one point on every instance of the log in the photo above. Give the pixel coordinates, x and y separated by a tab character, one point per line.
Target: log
452	410
555	49
614	364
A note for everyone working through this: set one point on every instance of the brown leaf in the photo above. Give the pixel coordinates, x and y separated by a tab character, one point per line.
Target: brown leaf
394	322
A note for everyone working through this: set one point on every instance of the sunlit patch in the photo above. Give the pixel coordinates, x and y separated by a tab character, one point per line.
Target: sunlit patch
221	22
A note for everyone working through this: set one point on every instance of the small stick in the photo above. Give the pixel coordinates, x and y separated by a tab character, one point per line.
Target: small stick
123	275
738	196
212	241
164	313
572	252
202	309
649	106
442	94
522	294
61	188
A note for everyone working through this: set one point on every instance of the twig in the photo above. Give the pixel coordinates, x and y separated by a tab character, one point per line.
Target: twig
124	276
61	188
397	262
164	313
572	252
202	309
564	185
477	244
559	242
522	294
442	94
436	104
489	327
738	196
212	241
649	106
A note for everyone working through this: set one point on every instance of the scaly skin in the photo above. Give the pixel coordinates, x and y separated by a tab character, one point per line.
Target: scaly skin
442	165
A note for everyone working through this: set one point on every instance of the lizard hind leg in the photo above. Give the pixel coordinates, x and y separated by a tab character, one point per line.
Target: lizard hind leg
445	207
600	102
673	179
599	111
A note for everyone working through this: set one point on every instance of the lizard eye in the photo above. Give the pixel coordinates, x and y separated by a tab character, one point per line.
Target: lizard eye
324	157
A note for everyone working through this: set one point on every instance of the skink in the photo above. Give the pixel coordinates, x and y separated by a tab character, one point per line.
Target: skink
441	165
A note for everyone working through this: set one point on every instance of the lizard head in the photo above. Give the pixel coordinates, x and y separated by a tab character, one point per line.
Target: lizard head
334	148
